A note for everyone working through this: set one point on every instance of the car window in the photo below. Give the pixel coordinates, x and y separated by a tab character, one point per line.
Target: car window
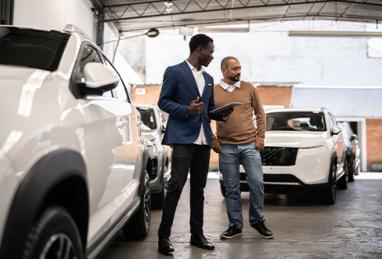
32	48
295	121
86	55
120	91
148	117
334	124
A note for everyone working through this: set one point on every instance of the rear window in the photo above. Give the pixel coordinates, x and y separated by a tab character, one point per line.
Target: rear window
148	117
296	121
31	48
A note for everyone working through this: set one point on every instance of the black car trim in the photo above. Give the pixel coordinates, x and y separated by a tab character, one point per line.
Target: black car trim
93	250
28	201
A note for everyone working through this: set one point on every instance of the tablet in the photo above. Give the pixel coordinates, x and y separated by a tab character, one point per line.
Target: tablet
225	107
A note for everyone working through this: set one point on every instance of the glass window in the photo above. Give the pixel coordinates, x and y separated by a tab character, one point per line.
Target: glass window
148	117
88	54
295	121
32	48
334	124
120	91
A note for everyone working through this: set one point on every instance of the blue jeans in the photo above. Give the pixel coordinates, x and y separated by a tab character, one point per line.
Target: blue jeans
229	161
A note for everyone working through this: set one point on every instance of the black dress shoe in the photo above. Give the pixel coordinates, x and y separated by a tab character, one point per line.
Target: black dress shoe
201	242
165	247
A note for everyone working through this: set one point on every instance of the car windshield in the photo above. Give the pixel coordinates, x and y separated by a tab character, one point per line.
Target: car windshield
31	48
295	121
148	117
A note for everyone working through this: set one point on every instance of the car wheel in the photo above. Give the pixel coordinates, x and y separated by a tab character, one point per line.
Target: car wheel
329	191
351	169
139	225
343	181
55	235
222	189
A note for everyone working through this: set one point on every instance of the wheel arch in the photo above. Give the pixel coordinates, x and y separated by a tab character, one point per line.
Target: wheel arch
57	178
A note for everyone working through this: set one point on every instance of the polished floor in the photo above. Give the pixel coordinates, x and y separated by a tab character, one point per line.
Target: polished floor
303	228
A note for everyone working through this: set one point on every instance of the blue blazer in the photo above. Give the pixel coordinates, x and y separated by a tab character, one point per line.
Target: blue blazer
178	90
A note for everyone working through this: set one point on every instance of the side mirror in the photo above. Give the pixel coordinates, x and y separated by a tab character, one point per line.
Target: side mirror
144	127
336	131
99	77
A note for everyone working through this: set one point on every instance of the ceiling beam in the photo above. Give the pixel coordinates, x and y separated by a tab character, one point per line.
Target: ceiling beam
100	16
205	10
171	24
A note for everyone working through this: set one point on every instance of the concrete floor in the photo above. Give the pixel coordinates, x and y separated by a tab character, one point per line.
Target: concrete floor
302	227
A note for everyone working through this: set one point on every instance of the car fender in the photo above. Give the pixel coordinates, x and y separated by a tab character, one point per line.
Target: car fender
47	173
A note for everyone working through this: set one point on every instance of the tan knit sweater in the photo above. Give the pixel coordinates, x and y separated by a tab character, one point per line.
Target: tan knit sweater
239	128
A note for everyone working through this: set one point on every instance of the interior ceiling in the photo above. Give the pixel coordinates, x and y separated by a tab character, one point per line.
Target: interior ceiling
139	15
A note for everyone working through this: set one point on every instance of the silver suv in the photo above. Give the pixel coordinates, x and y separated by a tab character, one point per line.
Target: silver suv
72	160
160	156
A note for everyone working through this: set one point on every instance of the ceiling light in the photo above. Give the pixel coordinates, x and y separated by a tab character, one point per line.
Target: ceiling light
224	29
352	34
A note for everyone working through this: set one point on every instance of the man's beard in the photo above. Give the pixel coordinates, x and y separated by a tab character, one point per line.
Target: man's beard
235	78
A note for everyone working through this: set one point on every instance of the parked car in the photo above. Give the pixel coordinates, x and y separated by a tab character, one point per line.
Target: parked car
160	156
72	160
352	150
304	150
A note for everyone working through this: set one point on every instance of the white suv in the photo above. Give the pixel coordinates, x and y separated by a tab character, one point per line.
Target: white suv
304	150
72	161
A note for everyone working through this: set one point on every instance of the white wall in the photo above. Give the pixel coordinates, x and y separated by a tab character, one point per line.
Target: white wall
268	54
55	14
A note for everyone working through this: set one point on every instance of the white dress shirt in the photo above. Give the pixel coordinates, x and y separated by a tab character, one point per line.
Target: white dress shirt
228	87
200	82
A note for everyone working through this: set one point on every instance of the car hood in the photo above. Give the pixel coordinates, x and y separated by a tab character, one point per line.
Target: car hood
300	139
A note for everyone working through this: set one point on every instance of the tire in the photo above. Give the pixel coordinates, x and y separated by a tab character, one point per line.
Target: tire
343	181
139	225
222	189
351	169
54	235
329	191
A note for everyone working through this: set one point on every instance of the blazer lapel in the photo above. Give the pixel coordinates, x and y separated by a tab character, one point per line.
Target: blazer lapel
190	77
207	84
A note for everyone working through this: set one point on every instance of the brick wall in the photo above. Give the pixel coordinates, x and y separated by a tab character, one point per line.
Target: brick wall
145	94
275	95
374	144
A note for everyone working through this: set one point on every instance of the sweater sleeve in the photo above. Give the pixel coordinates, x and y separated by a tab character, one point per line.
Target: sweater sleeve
259	112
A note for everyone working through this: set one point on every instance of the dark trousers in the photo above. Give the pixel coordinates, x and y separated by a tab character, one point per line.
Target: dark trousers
185	158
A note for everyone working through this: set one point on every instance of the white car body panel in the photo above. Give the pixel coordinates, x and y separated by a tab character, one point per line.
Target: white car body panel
42	115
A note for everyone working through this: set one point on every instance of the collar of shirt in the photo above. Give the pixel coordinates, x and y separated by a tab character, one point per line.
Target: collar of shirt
193	69
226	86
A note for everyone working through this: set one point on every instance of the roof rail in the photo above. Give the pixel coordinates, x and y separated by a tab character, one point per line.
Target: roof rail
74	28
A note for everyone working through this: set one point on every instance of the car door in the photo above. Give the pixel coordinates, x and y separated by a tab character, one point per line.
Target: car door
338	142
109	146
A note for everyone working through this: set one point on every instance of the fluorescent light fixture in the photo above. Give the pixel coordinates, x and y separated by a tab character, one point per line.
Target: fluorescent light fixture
352	34
224	29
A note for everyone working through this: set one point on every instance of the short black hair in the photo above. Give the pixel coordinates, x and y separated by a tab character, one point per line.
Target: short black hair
225	60
199	40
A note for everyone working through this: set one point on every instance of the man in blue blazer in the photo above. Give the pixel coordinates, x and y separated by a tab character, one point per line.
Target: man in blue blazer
187	95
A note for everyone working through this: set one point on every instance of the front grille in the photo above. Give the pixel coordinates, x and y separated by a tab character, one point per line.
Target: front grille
281	178
280	156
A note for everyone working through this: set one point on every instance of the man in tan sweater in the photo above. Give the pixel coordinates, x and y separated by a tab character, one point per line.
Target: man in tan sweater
239	142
